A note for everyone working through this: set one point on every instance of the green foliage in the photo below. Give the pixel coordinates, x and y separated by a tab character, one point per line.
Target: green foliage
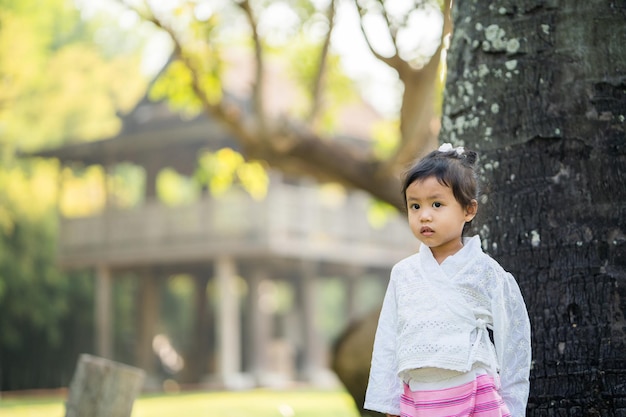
203	54
330	298
175	84
386	137
83	191
55	85
174	189
45	315
26	263
380	212
221	169
339	89
126	185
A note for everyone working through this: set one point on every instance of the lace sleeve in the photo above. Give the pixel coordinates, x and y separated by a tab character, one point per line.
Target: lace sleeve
512	341
385	387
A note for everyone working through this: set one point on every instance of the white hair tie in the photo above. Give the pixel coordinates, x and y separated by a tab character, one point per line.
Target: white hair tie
447	147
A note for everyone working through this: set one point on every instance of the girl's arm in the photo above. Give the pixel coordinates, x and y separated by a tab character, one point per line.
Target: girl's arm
512	341
385	387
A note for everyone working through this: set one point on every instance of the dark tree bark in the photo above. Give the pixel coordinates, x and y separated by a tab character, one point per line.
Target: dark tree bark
539	89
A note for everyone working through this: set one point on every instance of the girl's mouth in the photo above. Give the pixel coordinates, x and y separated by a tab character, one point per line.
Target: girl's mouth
426	231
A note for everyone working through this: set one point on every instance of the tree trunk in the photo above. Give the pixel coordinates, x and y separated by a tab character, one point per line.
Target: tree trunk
352	355
540	92
103	388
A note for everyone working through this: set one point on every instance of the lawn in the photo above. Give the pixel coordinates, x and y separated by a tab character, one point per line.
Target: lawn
256	403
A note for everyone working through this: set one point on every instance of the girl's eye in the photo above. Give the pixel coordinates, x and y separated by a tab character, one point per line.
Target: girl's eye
415	206
436	204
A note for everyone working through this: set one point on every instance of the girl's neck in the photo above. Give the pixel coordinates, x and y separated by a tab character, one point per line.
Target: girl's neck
441	256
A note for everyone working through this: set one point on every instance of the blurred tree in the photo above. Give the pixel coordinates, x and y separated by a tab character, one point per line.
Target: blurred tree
55	84
204	37
45	315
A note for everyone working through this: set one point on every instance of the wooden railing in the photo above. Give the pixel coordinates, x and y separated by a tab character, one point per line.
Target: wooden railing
291	221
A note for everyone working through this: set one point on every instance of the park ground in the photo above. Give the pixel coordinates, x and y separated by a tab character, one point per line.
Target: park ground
253	403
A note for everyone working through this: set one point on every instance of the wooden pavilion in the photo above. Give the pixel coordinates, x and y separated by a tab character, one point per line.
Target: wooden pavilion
292	236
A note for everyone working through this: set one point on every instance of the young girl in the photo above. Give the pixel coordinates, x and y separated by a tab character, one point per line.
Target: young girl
433	352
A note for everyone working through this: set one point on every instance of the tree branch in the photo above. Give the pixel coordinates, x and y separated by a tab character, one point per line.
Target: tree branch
292	147
392	31
232	116
447	20
417	101
317	85
393	61
298	149
257	86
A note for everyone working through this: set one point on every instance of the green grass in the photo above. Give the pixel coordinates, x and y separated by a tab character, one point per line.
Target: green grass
256	403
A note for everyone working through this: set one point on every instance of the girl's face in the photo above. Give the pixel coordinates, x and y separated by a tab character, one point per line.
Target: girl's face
436	217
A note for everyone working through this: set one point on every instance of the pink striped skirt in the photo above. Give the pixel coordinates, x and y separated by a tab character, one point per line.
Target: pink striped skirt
478	398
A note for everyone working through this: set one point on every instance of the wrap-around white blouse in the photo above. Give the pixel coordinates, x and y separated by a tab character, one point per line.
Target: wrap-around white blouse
437	316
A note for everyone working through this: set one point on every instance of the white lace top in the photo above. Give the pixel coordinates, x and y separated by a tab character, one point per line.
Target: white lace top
437	316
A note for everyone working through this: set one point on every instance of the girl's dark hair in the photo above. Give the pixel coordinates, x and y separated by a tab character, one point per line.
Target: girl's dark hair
453	168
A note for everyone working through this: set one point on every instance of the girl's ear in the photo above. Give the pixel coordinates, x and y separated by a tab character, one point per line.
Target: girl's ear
471	210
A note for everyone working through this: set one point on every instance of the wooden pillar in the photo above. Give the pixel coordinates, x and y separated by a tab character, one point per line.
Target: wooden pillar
148	306
104	315
312	344
354	275
228	321
260	322
152	171
201	350
350	306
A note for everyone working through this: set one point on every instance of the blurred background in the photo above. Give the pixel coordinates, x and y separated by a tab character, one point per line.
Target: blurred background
207	190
